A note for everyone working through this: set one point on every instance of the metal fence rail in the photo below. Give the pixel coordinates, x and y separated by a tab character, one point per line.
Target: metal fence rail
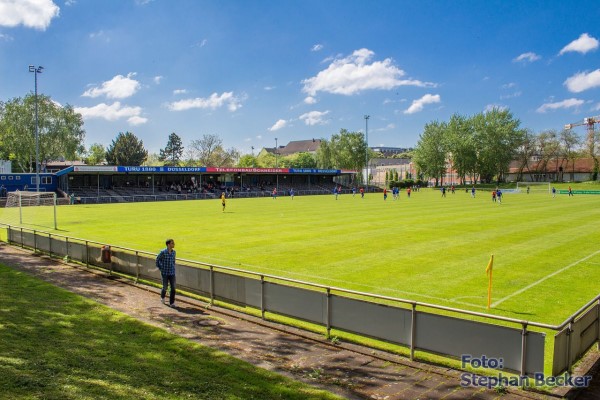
409	323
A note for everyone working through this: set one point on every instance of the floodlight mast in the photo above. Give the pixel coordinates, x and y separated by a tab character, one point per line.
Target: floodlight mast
36	70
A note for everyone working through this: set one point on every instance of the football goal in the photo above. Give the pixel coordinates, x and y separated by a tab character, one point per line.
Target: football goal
536	187
31	208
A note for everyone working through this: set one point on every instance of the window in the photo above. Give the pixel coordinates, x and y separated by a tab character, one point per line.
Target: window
34	180
17	178
46	180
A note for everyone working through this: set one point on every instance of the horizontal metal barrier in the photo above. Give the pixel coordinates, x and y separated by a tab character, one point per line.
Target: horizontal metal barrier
399	321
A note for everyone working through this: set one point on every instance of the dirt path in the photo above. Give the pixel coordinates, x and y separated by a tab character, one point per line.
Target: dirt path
349	370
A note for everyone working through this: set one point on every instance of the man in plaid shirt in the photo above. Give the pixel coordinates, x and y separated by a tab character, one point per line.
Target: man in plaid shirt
165	262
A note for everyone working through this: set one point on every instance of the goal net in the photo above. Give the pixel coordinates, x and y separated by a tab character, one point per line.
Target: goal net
536	187
31	208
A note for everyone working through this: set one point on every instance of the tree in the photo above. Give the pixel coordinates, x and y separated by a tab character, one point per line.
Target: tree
96	154
171	154
345	150
209	151
430	153
152	160
497	137
60	131
265	160
460	146
247	161
126	149
570	142
302	160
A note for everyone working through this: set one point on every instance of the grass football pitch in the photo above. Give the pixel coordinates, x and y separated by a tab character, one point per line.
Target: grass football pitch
426	248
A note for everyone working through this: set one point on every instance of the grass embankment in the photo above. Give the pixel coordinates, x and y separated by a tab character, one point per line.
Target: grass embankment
58	345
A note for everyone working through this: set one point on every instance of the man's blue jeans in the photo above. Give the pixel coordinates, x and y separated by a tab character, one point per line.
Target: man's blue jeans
168	280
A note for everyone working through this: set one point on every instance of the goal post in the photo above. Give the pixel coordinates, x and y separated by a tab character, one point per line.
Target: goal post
534	187
35	208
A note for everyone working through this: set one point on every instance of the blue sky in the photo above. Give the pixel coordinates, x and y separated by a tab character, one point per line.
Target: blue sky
251	71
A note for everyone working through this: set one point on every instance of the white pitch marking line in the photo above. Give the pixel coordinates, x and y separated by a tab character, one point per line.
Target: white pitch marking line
543	279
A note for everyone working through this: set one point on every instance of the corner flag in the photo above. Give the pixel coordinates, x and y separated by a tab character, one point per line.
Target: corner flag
488	271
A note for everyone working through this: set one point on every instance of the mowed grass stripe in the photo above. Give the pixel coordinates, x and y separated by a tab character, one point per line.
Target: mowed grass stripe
426	247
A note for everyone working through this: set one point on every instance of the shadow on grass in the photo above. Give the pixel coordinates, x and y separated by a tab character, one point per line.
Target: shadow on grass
56	344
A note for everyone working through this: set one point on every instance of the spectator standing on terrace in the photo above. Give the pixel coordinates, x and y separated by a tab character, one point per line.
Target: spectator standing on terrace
223	201
165	262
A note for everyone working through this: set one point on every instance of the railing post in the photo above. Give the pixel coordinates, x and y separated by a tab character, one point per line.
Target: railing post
598	323
67	245
22	243
262	296
50	244
413	330
524	349
212	286
328	312
34	242
137	266
87	254
569	333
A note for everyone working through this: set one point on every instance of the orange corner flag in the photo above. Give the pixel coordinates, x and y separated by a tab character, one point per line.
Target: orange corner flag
488	271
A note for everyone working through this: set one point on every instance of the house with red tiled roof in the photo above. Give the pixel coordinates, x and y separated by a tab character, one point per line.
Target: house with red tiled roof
560	170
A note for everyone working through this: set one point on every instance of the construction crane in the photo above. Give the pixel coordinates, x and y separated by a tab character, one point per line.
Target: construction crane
590	123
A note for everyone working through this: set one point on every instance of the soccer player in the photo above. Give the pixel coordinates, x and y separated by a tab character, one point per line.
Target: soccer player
223	201
274	194
553	191
362	193
292	193
384	194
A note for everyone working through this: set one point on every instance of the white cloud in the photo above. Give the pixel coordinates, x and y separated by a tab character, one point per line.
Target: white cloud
157	79
353	74
596	108
310	100
314	118
509	85
317	47
386	128
511	95
201	43
213	102
6	38
118	87
259	137
417	105
282	123
30	13
583	81
527	57
582	45
113	112
268	88
492	107
568	103
70	2
180	91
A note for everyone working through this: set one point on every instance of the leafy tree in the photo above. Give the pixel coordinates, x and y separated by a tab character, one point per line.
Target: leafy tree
524	154
301	160
171	154
548	148
497	136
265	160
247	161
126	149
152	160
209	151
96	154
60	131
570	142
430	153
460	146
345	150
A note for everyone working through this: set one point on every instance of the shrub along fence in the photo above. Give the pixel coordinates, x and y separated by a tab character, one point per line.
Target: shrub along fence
439	330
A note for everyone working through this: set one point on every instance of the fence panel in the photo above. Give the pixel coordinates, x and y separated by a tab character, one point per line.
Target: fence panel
456	337
77	251
59	246
124	262
237	289
370	319
308	305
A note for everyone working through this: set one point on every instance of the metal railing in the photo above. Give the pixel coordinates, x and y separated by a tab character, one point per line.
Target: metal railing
385	318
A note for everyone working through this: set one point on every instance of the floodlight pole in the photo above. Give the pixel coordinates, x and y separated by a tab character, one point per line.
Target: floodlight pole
367	151
36	71
276	166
